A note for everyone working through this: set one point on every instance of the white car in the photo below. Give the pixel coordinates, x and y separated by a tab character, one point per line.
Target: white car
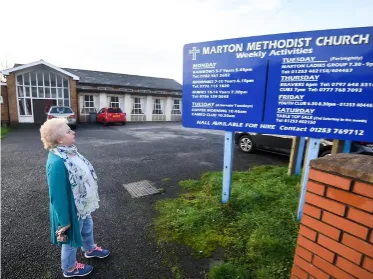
64	112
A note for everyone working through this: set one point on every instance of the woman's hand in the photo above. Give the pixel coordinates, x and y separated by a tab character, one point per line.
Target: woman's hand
65	228
60	233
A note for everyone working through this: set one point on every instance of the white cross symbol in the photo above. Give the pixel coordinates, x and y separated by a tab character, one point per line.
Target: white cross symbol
194	51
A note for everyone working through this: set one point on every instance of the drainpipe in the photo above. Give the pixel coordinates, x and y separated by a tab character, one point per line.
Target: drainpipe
7	96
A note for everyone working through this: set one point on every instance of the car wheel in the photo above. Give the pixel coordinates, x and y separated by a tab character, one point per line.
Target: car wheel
325	153
105	122
123	123
246	144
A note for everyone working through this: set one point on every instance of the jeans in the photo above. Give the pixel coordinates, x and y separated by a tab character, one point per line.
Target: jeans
68	253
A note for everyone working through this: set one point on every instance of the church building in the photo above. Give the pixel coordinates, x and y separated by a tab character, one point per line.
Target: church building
31	89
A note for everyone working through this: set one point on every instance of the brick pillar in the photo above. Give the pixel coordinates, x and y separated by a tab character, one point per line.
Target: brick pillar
336	232
74	98
12	97
4	106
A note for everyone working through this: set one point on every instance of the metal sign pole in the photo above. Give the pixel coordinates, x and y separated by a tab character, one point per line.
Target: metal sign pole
313	148
347	146
293	155
228	165
300	154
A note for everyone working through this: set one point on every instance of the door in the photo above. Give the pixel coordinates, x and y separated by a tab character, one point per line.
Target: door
40	108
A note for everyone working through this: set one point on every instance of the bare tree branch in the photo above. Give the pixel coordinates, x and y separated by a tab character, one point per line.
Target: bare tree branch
2	67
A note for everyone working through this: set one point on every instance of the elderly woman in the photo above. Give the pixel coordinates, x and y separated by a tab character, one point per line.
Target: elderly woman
73	197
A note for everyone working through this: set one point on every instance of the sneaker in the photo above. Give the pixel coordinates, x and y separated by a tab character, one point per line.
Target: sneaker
97	252
79	271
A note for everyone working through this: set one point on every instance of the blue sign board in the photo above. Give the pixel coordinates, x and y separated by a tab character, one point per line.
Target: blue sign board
315	84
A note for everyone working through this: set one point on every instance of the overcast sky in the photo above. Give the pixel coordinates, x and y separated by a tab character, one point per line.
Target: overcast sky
147	37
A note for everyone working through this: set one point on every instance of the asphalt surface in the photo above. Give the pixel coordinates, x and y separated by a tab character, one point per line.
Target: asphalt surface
162	153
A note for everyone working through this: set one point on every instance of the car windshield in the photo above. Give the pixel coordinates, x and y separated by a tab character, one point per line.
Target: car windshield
61	110
114	110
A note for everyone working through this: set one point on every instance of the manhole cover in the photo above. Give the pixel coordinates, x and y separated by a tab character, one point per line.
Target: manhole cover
140	188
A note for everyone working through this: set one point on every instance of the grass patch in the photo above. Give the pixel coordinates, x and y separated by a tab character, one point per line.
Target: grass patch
176	271
228	271
4	131
257	229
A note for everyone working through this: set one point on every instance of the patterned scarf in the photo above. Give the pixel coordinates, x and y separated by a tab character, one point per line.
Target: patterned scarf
83	187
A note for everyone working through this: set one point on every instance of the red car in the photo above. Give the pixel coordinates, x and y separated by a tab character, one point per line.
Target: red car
111	115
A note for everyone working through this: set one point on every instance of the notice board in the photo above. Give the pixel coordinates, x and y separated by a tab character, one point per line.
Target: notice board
313	84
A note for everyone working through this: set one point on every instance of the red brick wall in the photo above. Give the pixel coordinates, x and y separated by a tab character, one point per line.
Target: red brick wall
4	105
335	238
12	96
74	98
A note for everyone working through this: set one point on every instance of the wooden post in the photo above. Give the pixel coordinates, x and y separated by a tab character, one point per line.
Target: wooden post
337	146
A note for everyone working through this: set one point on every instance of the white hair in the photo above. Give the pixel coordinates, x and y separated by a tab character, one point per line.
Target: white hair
51	130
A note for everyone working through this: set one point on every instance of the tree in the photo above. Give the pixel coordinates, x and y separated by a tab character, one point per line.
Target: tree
2	67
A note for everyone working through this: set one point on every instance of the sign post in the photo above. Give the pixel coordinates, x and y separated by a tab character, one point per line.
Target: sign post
337	146
228	163
300	154
293	155
315	84
313	148
347	146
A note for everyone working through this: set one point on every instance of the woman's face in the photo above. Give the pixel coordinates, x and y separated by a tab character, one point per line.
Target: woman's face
68	137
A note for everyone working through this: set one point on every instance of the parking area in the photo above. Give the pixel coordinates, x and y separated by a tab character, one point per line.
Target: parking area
163	153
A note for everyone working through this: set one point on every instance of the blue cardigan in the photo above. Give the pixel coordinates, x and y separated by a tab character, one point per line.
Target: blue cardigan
62	205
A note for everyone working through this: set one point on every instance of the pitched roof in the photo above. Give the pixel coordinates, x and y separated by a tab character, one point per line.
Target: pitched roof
105	78
18	67
110	79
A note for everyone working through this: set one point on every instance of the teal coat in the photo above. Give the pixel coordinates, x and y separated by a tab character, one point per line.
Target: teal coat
62	205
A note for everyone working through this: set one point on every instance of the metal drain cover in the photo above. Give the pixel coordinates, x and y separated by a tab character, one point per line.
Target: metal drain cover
141	188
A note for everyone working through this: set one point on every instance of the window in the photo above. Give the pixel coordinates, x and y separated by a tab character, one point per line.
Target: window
20	80
138	105
24	107
114	110
41	84
114	102
88	104
176	108
158	106
47	82
61	110
53	79
34	92
33	78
